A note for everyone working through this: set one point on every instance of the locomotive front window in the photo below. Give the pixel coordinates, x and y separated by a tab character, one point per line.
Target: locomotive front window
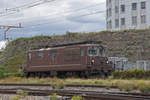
102	51
93	51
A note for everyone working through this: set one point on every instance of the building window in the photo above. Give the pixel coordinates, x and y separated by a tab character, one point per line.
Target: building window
143	19
107	25
143	5
116	23
109	12
122	21
116	9
110	24
109	1
134	20
134	6
40	55
122	8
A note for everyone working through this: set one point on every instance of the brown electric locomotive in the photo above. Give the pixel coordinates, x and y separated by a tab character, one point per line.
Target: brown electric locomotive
83	59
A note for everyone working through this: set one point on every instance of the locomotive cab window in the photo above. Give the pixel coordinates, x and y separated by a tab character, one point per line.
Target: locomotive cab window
40	55
93	51
101	51
53	54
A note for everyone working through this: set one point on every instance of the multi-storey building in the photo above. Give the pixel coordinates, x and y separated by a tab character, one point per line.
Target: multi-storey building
128	14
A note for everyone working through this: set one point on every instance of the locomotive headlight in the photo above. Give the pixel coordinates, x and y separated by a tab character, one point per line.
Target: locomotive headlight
107	62
93	61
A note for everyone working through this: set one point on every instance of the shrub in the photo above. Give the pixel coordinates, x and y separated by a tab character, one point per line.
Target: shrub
20	74
139	74
3	72
145	88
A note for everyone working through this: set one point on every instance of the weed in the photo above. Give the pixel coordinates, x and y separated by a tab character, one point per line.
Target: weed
77	98
17	97
54	97
98	82
145	90
126	86
58	84
20	95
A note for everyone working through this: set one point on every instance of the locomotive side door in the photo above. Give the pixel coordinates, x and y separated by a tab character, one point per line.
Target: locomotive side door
53	57
82	51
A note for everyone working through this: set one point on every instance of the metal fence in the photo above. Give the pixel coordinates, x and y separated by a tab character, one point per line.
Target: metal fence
122	64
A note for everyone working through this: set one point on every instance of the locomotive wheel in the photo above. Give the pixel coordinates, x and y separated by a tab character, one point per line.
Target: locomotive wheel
87	74
61	74
39	75
75	74
32	74
81	74
44	75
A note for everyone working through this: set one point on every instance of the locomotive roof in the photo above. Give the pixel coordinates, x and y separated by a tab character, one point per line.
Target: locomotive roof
70	44
78	43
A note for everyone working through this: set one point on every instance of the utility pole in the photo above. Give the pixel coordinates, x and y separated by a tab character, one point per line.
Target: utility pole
7	28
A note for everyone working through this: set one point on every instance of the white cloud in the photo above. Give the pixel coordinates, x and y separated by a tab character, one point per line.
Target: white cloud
2	44
61	13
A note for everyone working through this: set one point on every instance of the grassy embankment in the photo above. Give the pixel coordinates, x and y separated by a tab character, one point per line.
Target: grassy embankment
132	44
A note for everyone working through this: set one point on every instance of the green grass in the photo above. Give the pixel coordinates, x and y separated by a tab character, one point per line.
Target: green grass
77	98
124	85
108	82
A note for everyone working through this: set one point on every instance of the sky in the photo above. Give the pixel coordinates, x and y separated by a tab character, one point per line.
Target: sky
53	17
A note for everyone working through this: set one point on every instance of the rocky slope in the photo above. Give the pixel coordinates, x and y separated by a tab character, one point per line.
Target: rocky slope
134	44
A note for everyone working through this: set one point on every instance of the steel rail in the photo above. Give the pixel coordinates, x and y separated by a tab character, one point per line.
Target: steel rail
88	95
67	85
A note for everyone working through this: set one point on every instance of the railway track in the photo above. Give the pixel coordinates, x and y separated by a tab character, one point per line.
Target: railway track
87	95
47	85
